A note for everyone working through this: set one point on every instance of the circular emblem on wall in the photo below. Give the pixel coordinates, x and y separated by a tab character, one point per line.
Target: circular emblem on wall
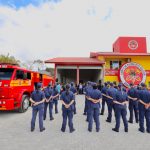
132	73
133	45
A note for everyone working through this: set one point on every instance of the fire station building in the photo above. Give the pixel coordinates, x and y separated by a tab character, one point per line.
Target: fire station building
129	62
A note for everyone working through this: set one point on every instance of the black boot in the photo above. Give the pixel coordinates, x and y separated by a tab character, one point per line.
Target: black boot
114	129
41	130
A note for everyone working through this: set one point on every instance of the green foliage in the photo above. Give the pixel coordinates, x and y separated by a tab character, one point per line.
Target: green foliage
8	59
51	70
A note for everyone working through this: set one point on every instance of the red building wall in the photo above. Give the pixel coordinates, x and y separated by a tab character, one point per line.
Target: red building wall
130	45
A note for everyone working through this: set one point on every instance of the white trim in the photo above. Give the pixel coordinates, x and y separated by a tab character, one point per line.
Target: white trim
89	67
66	67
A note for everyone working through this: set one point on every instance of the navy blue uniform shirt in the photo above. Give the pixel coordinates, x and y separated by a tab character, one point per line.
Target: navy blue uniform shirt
73	89
132	92
54	93
121	96
112	92
67	99
88	88
48	92
104	91
144	95
95	94
37	96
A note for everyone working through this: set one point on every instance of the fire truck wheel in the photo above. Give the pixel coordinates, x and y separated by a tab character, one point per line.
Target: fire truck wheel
24	104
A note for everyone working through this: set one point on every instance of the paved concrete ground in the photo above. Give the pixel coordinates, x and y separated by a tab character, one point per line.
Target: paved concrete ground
15	134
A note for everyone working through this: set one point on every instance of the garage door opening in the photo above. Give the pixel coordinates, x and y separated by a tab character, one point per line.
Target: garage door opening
66	75
81	74
93	75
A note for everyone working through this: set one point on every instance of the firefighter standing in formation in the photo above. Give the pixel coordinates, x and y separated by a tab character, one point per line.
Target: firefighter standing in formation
94	98
67	99
116	98
37	99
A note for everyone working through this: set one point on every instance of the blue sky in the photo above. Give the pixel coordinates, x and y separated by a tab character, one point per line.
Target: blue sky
23	3
42	29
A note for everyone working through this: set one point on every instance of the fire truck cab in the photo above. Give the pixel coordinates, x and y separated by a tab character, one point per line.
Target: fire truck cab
16	86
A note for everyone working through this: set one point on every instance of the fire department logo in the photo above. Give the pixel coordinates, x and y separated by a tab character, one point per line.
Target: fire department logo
132	73
133	44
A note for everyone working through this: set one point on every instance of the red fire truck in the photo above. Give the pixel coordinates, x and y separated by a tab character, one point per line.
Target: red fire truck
16	86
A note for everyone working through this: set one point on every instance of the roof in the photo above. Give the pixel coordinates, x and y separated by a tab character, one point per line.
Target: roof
95	54
75	61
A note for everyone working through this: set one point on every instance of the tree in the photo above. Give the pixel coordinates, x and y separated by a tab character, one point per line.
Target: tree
9	59
50	70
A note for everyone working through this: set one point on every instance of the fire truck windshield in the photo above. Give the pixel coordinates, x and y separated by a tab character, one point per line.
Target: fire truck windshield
6	73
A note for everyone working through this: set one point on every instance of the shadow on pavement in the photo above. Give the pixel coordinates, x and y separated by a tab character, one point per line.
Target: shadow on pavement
2	112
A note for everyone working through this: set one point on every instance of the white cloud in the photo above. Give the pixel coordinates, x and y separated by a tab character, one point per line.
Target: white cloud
70	28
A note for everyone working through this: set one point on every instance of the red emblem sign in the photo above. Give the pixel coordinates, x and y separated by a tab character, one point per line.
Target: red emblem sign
132	73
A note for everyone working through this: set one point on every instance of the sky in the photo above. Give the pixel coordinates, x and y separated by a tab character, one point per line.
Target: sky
43	29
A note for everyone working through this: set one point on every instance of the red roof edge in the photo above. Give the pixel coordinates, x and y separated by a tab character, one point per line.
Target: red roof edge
75	61
95	54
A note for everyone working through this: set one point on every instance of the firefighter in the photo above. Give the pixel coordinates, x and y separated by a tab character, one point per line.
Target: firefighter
55	98
104	97
87	90
37	99
48	102
67	99
133	103
85	106
111	95
120	105
94	108
73	89
144	108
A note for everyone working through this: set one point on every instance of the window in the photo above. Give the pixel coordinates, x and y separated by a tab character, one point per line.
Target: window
115	64
41	77
19	74
6	73
27	75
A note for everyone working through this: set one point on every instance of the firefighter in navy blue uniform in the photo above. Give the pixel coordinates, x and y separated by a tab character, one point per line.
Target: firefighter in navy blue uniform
104	97
48	102
73	89
37	99
133	103
111	95
67	99
144	108
120	105
88	86
94	108
87	91
55	97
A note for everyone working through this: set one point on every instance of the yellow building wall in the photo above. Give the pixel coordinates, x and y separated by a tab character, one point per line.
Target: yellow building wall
144	61
111	78
107	66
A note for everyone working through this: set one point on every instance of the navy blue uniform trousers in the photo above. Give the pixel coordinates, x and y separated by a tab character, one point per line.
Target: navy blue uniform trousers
133	106
35	110
67	114
50	104
56	105
121	111
94	115
144	113
103	105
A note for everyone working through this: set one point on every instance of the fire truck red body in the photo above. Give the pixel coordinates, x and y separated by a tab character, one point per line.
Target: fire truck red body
16	86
